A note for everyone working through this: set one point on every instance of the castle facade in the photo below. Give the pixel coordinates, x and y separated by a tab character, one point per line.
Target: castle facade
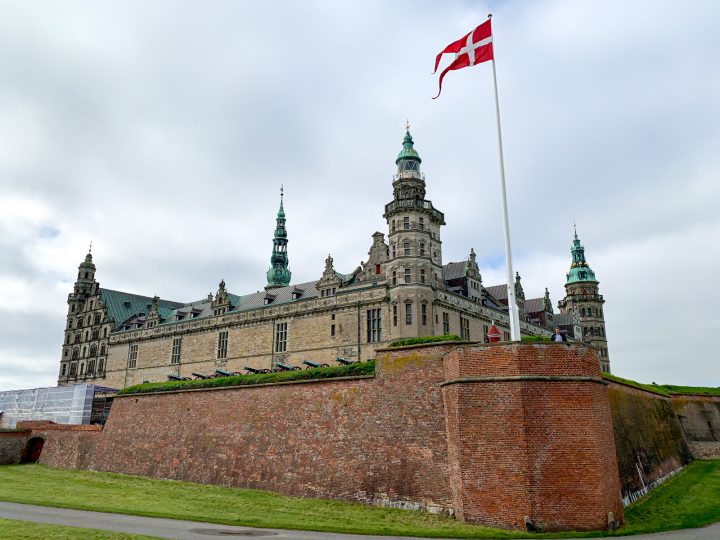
403	290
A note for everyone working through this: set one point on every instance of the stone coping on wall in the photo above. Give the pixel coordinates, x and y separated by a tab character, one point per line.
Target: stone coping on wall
481	344
11	431
47	425
245	386
520	378
638	388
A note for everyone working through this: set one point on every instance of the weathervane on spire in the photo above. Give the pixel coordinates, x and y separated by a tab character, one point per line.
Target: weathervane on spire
407	125
575	228
90	248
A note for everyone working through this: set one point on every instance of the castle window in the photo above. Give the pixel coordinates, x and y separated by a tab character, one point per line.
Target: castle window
446	323
464	328
394	277
506	336
77	338
373	326
281	337
104	332
93	350
332	330
408	313
84	352
64	370
175	354
222	345
66	353
393	226
393	250
406	248
377	269
406	223
407	275
92	304
67	339
97	318
87	274
102	349
422	223
486	329
132	356
422	249
422	276
423	314
95	333
394	314
101	366
75	354
79	322
91	366
73	369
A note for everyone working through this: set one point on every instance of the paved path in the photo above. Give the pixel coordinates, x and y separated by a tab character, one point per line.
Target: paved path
193	530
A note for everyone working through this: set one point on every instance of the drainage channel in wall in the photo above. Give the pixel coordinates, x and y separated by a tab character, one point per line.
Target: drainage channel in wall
229	532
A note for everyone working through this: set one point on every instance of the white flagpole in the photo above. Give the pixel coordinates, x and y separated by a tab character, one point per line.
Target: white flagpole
512	303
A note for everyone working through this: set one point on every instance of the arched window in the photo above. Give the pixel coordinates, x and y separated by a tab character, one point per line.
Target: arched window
82	368
104	332
75	354
101	365
102	350
84	352
91	366
93	350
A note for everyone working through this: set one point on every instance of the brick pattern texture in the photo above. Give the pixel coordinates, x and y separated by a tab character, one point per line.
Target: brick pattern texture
528	437
490	452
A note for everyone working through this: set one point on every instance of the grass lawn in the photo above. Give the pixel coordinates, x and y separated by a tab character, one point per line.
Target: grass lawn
690	499
22	530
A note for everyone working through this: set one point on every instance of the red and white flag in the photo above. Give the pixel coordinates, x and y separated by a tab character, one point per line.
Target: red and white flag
473	48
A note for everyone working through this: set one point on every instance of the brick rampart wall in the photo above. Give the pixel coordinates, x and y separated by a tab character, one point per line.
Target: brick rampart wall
700	419
418	435
12	444
649	439
531	435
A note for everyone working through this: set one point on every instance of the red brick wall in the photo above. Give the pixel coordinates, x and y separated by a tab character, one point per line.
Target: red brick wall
492	451
530	429
380	440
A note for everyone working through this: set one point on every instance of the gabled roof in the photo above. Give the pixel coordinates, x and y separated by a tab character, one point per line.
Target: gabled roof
498	291
121	305
563	319
535	305
454	270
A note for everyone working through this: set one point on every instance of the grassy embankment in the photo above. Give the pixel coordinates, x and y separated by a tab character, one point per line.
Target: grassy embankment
25	530
690	499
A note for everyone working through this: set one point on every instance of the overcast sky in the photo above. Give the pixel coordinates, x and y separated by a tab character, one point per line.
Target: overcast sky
162	131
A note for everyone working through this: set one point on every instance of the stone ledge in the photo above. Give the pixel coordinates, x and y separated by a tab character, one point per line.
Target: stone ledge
245	386
520	378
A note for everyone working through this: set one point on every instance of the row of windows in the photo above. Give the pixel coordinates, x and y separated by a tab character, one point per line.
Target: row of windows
92	351
603	352
594	331
591	312
87	335
406	224
71	370
80	322
409	314
407	250
406	275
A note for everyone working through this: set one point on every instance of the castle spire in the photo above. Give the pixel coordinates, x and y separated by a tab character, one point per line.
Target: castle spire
279	275
579	268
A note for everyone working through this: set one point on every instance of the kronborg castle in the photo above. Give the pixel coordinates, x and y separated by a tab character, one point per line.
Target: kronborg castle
403	290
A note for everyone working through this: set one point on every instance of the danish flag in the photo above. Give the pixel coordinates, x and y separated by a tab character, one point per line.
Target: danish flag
473	48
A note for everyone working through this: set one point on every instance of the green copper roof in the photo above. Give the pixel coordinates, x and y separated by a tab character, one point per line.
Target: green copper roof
121	305
408	152
579	268
87	263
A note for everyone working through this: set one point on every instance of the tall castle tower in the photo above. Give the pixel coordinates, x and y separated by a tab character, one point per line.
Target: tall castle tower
279	274
414	267
582	295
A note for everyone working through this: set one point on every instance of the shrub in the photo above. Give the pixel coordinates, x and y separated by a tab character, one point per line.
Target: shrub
541	339
420	340
361	368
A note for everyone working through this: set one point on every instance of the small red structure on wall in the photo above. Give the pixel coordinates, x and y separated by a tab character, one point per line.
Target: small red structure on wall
493	334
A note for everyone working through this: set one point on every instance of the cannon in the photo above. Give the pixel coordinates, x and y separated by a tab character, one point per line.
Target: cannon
285	367
310	364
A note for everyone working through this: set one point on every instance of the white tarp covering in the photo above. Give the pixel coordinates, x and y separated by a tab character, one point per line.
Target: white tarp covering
61	404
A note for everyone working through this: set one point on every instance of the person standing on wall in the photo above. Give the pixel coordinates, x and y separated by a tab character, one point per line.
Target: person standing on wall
558	336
